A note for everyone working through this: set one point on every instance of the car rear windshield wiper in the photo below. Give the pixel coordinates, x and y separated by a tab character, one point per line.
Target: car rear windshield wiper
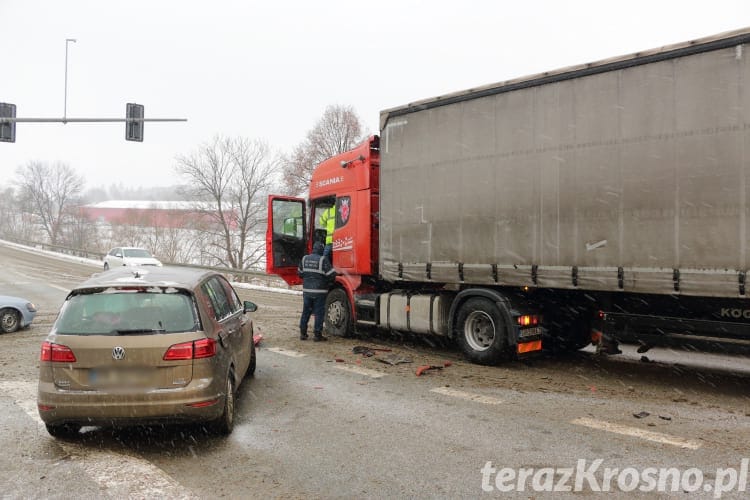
136	331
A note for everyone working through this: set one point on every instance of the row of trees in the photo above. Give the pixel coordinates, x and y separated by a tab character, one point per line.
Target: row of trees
227	179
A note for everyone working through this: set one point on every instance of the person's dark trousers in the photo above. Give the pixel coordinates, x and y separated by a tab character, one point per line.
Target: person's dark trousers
312	304
319	310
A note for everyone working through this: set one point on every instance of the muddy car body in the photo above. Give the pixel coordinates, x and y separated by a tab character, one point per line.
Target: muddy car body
140	346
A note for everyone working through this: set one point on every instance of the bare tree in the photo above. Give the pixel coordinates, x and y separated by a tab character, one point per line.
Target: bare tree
338	130
49	193
80	232
231	176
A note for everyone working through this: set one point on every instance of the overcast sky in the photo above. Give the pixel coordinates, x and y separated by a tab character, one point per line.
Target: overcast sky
268	69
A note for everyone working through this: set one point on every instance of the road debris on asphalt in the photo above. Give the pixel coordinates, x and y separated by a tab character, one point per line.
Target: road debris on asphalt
642	414
393	359
425	368
367	351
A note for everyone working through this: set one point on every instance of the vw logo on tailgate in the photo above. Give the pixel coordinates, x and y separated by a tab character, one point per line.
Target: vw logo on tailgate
118	353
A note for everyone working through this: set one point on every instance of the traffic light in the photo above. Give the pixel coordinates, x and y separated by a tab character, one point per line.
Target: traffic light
134	122
7	129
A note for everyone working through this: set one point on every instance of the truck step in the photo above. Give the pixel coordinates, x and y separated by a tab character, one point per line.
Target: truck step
366	323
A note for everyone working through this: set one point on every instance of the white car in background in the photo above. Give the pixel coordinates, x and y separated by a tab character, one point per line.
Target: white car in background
129	256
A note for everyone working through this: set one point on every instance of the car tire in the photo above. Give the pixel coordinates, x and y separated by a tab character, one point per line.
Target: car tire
63	430
481	332
253	360
338	319
225	423
106	266
10	320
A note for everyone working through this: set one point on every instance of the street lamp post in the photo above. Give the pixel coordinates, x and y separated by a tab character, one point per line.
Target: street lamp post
65	108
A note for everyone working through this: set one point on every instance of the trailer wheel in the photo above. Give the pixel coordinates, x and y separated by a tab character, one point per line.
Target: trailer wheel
481	331
338	320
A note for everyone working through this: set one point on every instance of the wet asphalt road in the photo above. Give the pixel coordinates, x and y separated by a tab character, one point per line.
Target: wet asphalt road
310	427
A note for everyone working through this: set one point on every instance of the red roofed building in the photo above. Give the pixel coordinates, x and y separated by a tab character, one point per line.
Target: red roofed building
173	214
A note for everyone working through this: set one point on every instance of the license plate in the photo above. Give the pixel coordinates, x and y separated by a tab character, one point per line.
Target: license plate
119	378
530	332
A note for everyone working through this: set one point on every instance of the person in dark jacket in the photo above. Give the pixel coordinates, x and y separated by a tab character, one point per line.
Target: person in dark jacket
317	276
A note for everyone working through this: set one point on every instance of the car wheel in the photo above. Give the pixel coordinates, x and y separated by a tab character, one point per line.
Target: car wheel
480	331
106	266
338	320
253	360
10	320
225	423
63	430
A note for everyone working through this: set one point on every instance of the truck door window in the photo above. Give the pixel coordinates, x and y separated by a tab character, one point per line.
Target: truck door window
319	229
288	232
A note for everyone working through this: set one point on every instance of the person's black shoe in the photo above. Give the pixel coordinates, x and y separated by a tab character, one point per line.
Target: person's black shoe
319	338
304	336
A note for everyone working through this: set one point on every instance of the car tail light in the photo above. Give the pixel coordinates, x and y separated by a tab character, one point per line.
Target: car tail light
528	320
56	353
203	348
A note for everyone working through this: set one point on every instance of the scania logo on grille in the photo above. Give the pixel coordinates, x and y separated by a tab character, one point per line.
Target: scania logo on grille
118	353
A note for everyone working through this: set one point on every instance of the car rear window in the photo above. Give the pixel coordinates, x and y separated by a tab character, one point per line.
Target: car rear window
136	252
125	312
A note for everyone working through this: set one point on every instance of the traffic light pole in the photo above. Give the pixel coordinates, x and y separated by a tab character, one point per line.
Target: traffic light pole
65	105
88	120
133	116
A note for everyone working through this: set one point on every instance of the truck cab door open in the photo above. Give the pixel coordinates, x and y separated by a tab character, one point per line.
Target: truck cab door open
286	241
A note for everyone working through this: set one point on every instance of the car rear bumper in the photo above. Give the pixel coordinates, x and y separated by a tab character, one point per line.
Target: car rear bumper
198	401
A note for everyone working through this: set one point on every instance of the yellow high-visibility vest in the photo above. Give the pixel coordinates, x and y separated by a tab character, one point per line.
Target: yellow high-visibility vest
328	221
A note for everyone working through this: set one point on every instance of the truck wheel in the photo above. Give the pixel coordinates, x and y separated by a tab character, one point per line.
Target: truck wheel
481	332
338	320
10	320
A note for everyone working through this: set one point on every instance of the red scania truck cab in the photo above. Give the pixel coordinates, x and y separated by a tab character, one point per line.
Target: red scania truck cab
350	181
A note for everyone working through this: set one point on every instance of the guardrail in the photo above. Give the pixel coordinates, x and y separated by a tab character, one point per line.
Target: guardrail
252	276
78	252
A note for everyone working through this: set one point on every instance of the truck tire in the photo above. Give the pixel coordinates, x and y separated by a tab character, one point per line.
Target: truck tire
338	320
481	332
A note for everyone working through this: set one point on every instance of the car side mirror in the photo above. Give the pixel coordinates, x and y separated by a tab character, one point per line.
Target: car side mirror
250	306
118	255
